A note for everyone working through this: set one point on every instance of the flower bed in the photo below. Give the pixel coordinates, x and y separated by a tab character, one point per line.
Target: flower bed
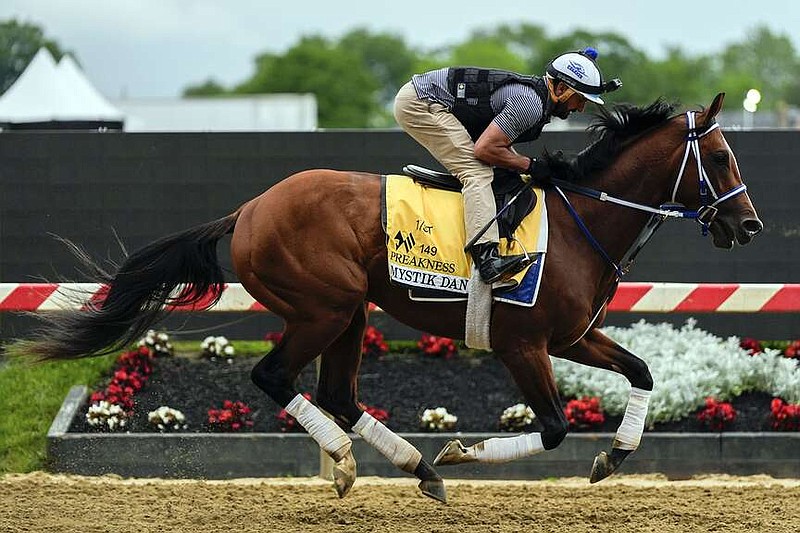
703	383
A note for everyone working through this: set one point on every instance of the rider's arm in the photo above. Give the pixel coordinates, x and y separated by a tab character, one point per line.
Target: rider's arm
520	111
493	147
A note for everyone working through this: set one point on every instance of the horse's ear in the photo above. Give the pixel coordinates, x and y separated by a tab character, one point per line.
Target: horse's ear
715	108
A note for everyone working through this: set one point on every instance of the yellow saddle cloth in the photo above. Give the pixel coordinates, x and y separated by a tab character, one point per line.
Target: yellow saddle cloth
426	237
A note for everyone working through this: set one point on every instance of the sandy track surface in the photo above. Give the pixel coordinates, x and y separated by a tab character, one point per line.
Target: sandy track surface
45	502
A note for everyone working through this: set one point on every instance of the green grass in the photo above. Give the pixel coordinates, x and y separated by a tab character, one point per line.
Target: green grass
30	397
242	348
260	348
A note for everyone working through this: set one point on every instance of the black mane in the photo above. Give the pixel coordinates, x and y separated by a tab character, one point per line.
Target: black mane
612	129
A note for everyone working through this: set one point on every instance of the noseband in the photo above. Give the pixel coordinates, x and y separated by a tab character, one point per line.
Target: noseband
707	211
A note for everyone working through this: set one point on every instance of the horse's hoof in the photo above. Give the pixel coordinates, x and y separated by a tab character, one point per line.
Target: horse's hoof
601	468
344	474
433	488
453	453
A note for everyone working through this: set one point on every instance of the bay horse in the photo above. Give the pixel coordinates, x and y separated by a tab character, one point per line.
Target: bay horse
312	249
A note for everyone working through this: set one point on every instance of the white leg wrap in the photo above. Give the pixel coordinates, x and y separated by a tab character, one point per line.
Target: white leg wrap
504	449
630	430
395	448
322	429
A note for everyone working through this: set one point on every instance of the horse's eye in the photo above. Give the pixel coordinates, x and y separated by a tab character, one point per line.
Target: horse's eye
720	157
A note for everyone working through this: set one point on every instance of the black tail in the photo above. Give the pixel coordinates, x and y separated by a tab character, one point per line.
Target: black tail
136	296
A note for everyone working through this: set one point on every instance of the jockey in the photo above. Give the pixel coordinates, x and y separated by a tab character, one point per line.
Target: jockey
468	119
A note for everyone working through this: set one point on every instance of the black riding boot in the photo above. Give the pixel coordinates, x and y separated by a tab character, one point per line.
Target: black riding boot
493	267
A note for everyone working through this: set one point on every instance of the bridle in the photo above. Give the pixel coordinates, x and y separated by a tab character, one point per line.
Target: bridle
707	211
704	215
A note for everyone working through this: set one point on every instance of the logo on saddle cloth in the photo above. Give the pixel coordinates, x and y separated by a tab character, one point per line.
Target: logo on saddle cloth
425	241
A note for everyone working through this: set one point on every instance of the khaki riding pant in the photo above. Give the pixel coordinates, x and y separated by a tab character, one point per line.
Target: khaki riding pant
441	133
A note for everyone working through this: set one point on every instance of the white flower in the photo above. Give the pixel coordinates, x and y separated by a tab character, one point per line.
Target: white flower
687	365
103	415
216	346
166	418
516	417
437	419
157	342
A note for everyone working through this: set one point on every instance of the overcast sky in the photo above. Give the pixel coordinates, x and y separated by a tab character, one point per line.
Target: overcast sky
155	48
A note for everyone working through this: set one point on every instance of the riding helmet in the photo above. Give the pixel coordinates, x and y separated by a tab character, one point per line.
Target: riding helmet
580	72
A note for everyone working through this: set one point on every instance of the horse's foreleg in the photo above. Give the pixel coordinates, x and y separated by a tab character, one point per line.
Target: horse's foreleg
533	373
597	350
337	393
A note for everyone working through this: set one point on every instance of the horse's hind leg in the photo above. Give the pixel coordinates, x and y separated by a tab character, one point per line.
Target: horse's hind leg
276	373
597	350
337	393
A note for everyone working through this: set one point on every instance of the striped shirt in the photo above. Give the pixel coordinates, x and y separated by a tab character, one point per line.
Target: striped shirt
517	107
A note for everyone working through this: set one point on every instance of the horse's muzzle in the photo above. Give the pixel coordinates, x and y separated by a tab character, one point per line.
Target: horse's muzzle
727	231
748	228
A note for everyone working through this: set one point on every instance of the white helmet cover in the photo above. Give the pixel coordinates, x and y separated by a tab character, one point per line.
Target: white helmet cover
580	73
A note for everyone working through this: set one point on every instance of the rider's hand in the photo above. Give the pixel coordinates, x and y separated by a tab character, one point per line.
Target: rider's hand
539	170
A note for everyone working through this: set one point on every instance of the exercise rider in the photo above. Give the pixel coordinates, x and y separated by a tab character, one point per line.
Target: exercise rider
468	118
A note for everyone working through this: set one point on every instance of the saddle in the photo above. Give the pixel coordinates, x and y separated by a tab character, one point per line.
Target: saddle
505	186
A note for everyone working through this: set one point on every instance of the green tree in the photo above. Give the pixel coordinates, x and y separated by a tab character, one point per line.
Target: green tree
19	42
676	77
386	56
210	87
388	59
763	60
487	51
526	41
346	90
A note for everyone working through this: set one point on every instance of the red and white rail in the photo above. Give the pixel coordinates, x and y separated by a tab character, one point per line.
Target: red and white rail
630	297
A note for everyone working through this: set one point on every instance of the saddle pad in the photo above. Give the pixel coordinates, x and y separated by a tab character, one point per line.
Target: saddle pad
426	236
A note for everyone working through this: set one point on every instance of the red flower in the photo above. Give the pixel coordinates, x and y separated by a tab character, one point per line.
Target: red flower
139	360
274	337
232	417
584	413
437	346
130	376
381	415
373	344
793	350
785	417
752	346
717	415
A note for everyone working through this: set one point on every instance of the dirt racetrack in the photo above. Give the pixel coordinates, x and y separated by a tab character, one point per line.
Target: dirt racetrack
40	502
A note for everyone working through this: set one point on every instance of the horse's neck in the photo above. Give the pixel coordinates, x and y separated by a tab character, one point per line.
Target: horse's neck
643	180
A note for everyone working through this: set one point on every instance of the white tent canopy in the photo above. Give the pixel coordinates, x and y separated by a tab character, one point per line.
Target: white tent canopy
46	93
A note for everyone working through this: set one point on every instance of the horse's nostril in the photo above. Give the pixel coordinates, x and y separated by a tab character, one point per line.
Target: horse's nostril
752	226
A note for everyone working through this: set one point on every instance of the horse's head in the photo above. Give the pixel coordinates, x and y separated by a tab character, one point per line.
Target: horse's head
709	180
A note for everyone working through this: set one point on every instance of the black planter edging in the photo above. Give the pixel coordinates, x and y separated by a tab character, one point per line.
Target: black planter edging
226	456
